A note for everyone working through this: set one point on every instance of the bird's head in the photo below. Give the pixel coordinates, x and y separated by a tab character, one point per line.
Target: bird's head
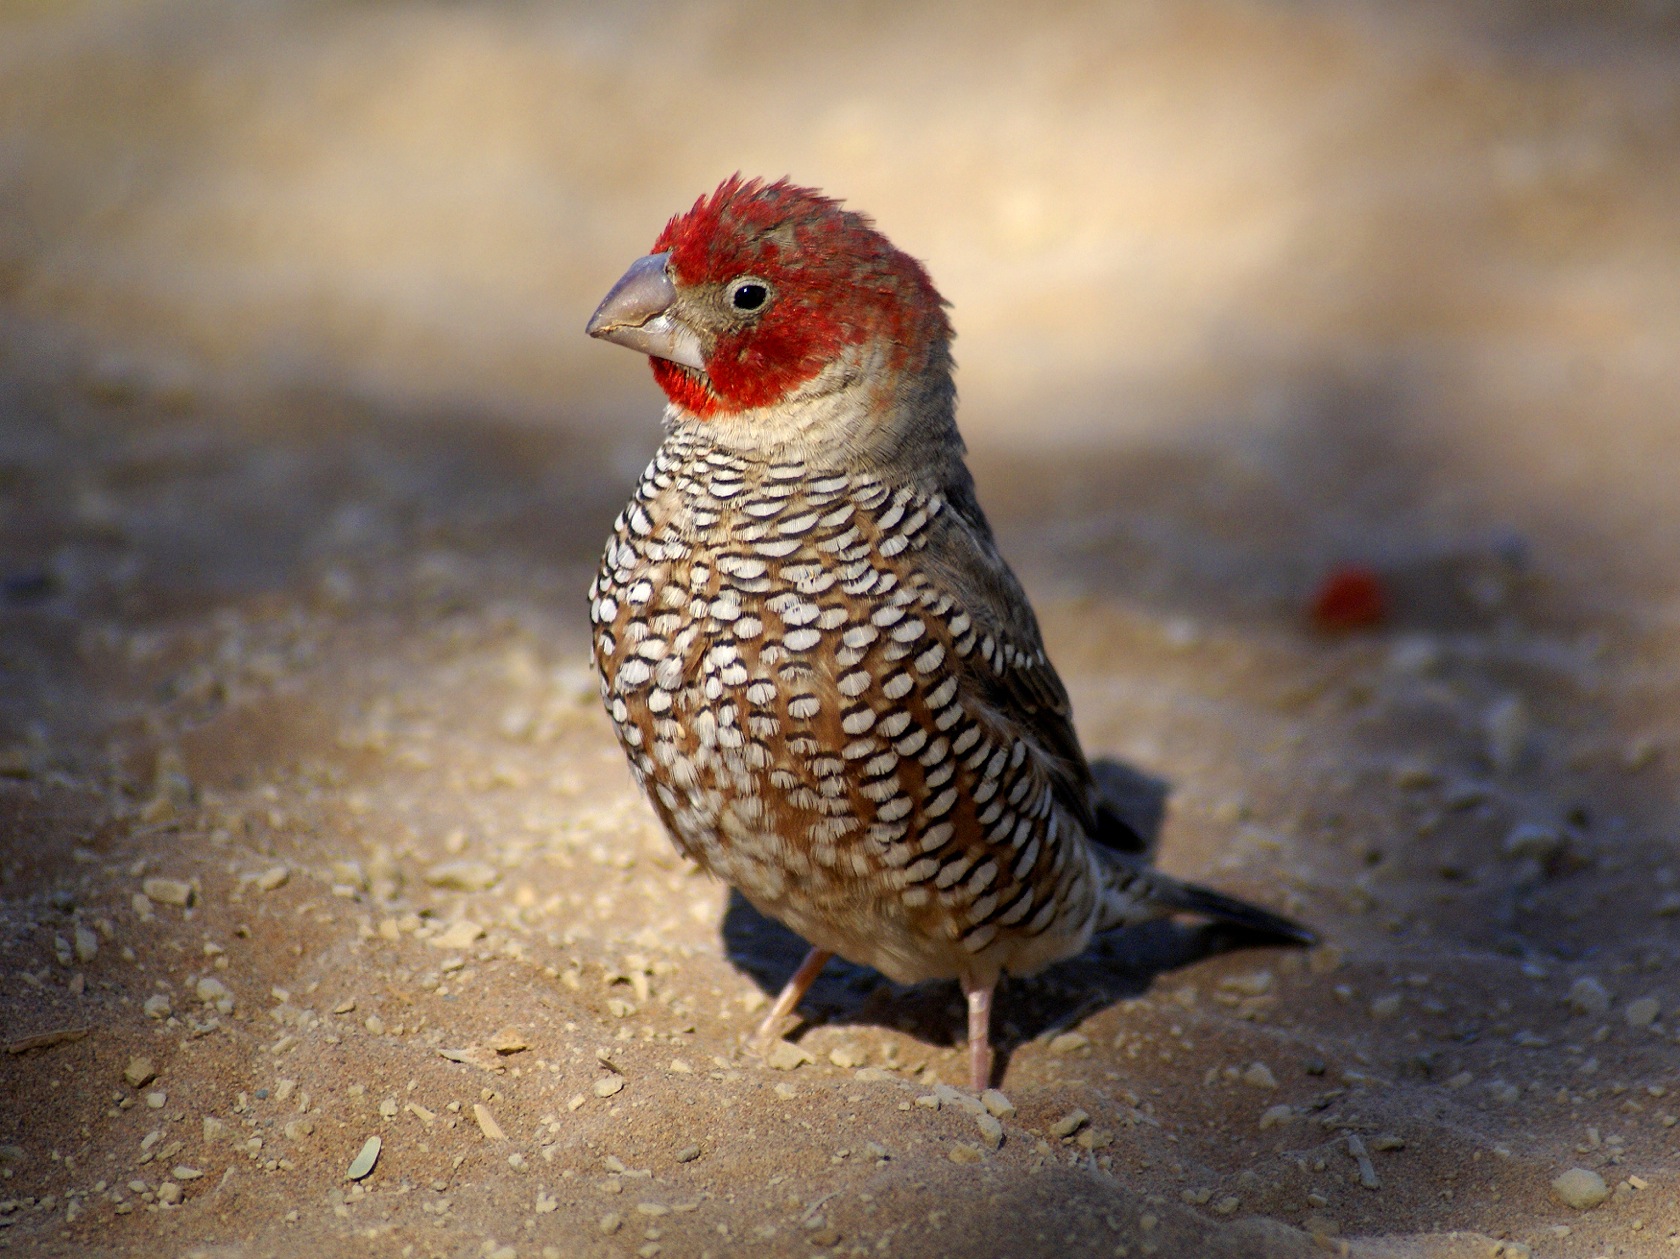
766	293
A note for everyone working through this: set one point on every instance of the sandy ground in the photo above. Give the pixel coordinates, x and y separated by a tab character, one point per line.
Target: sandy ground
311	830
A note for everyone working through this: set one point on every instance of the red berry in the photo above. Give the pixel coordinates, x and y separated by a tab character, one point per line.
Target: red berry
1351	597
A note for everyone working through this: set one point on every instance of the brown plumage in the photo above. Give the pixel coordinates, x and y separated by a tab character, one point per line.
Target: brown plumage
823	673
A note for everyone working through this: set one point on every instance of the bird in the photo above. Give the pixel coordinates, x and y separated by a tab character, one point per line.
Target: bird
826	679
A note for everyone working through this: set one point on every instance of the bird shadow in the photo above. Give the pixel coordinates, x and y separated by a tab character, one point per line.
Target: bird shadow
1118	966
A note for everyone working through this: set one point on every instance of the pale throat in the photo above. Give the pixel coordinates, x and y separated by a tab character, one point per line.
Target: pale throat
859	405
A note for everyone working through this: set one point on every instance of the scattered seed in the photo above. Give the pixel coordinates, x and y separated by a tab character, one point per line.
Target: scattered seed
487	1123
473	1056
363	1163
271	878
688	1154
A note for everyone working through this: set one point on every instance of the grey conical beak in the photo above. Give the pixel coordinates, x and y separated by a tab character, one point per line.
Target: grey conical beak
636	313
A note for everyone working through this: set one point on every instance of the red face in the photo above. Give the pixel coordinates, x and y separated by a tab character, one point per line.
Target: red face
779	281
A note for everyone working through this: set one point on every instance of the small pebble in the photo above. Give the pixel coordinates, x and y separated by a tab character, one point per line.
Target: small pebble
1367	1172
1254	984
1276	1116
997	1104
169	1193
168	891
211	990
271	878
1643	1012
609	1223
157	1101
608	1085
462	876
1068	1042
510	1040
961	1153
990	1130
1069	1123
458	935
139	1072
1507	728
688	1154
1580	1188
1530	839
1259	1076
848	1056
87	945
1588	996
786	1055
157	1006
1386	1006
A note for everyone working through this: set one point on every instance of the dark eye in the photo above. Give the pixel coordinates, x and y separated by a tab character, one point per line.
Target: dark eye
748	294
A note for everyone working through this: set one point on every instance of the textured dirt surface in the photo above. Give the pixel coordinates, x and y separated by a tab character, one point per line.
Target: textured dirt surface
306	799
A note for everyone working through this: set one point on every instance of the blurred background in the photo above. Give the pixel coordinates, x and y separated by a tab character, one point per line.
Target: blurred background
1359	242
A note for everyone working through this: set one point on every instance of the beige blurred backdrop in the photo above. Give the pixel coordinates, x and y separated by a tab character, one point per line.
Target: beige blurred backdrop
1152	219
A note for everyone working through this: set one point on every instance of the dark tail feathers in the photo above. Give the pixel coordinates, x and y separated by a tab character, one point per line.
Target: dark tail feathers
1194	899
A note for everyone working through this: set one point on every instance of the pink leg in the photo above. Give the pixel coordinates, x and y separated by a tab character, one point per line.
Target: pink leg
979	1033
789	997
